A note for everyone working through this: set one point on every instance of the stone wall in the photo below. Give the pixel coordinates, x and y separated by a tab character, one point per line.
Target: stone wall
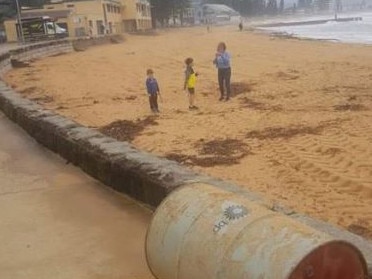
145	177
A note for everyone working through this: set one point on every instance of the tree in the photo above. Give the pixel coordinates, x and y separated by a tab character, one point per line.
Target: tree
323	5
162	10
32	3
281	6
272	7
338	6
305	4
8	8
179	8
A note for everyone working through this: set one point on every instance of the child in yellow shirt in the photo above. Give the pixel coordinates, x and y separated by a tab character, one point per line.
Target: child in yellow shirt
190	81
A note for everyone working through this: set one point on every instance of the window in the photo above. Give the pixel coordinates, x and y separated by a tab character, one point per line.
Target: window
70	5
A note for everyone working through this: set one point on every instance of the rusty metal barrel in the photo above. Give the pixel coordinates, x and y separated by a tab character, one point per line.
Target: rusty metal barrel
203	232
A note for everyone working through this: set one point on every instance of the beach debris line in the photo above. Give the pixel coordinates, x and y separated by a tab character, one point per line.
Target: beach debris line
19	64
221	147
360	230
43	99
217	152
127	130
252	104
131	98
28	90
284	132
350	107
290	75
241	87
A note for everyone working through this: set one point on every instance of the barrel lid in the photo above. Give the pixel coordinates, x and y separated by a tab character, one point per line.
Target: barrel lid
333	260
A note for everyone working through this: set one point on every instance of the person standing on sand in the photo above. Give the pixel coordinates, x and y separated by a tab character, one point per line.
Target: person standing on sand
241	25
190	81
223	64
152	90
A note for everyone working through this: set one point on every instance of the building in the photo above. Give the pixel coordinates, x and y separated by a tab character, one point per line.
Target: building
90	17
218	13
136	15
211	13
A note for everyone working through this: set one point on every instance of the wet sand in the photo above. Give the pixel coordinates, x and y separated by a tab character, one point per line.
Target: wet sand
297	130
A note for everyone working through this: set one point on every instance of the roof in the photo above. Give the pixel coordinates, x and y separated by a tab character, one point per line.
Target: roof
219	9
46	12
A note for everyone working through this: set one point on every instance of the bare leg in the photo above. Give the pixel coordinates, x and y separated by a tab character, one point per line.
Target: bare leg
191	99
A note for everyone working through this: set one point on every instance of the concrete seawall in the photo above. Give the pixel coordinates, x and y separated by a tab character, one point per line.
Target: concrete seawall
119	165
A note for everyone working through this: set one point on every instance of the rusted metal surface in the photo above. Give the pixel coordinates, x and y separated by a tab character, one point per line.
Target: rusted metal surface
335	260
200	231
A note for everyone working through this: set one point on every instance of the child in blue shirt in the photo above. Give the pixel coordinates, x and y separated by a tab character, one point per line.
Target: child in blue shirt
152	90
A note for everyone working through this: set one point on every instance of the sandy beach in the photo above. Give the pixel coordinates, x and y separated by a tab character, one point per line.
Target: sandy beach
297	130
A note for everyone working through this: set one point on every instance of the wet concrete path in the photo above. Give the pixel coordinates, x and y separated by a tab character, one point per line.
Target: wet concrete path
57	222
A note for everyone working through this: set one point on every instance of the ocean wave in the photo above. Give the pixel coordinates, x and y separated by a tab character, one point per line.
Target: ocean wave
349	32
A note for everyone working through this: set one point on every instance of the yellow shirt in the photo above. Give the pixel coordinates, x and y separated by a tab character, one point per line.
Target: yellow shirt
191	81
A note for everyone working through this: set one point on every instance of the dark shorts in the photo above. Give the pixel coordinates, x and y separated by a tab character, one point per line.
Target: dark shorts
191	90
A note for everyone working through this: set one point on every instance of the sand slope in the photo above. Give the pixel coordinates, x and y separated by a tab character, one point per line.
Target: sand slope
298	129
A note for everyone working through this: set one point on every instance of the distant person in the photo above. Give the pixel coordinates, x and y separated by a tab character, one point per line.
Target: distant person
190	82
153	91
209	27
223	64
241	26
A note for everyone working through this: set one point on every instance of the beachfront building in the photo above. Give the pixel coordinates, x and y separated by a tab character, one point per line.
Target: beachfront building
136	15
212	13
218	13
90	17
199	13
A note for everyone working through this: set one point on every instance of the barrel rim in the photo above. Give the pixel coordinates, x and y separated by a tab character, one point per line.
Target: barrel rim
359	253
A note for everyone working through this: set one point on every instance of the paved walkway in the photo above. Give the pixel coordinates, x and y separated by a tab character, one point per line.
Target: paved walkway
58	223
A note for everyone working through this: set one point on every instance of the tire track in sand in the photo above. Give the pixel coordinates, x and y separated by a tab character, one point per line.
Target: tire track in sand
327	167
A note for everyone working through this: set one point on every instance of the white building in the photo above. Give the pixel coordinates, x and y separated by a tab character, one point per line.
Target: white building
212	13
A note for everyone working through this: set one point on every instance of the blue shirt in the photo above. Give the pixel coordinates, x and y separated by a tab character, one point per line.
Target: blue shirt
223	61
152	86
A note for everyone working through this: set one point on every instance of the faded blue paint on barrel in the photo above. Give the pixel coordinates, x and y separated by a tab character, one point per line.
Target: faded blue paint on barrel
203	232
